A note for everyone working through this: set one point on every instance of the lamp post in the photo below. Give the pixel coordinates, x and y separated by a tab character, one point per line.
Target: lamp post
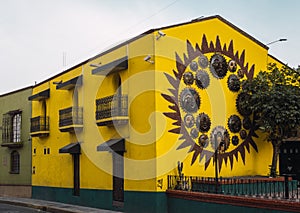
278	40
272	42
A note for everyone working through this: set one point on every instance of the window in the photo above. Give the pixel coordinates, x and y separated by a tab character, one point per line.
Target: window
16	128
12	127
14	162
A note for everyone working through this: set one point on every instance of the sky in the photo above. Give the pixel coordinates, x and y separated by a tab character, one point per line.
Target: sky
41	38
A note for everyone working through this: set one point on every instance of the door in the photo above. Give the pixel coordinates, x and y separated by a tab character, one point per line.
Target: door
118	177
288	159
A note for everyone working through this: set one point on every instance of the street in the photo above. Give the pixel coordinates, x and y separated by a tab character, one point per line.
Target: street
15	209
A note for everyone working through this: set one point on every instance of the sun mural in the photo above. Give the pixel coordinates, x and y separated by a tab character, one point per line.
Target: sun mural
192	77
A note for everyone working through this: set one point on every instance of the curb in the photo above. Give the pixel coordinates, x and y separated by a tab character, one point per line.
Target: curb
23	204
49	206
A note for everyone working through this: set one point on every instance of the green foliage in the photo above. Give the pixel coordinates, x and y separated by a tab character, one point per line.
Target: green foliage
274	99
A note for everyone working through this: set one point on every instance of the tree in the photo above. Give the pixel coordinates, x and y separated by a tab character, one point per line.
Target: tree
274	101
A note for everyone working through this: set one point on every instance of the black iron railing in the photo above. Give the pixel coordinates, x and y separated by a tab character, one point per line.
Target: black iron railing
39	124
70	116
279	188
111	106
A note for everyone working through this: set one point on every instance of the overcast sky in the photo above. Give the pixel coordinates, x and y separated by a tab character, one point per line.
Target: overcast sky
34	34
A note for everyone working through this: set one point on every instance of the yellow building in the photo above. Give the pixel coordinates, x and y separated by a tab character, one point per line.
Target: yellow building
107	132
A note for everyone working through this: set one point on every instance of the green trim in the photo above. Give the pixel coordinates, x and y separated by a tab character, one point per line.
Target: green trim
134	202
88	197
146	202
72	148
117	145
115	66
40	96
70	84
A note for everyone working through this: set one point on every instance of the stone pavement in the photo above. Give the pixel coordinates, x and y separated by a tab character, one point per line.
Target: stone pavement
49	206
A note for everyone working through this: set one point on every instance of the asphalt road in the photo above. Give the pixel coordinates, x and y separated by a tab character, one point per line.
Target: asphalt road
6	208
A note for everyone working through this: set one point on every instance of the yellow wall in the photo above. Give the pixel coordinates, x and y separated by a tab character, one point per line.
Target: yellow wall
273	60
139	134
217	100
151	150
47	166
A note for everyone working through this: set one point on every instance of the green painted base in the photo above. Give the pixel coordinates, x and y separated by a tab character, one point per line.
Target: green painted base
88	197
146	202
176	205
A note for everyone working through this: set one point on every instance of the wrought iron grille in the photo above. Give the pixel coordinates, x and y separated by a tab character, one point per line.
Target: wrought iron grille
70	116
39	123
11	124
15	162
111	106
239	186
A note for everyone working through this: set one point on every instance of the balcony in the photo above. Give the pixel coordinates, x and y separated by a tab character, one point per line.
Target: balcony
12	144
11	129
11	140
39	126
112	110
71	119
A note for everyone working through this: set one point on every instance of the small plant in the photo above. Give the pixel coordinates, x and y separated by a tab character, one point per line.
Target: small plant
182	184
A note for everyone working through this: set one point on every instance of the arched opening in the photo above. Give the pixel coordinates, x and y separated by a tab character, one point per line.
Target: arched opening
43	121
44	108
117	85
14	162
75	97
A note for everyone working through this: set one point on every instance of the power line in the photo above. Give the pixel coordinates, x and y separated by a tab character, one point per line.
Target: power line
135	25
154	14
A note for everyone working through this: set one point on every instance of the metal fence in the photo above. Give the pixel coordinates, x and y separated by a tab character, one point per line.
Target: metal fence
111	106
39	123
70	116
277	188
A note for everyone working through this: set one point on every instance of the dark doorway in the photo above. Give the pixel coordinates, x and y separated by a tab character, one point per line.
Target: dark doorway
118	178
74	150
289	159
117	148
76	181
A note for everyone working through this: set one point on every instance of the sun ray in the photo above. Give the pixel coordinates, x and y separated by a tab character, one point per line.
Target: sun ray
181	66
174	82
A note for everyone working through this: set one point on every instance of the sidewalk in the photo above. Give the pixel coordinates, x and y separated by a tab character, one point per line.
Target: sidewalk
50	206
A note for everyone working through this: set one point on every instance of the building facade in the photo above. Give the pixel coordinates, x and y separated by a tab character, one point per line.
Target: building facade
15	150
107	132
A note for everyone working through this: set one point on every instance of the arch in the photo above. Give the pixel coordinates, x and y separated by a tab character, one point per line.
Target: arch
117	82
44	108
75	97
14	162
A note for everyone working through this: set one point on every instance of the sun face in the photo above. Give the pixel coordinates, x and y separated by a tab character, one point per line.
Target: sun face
201	68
